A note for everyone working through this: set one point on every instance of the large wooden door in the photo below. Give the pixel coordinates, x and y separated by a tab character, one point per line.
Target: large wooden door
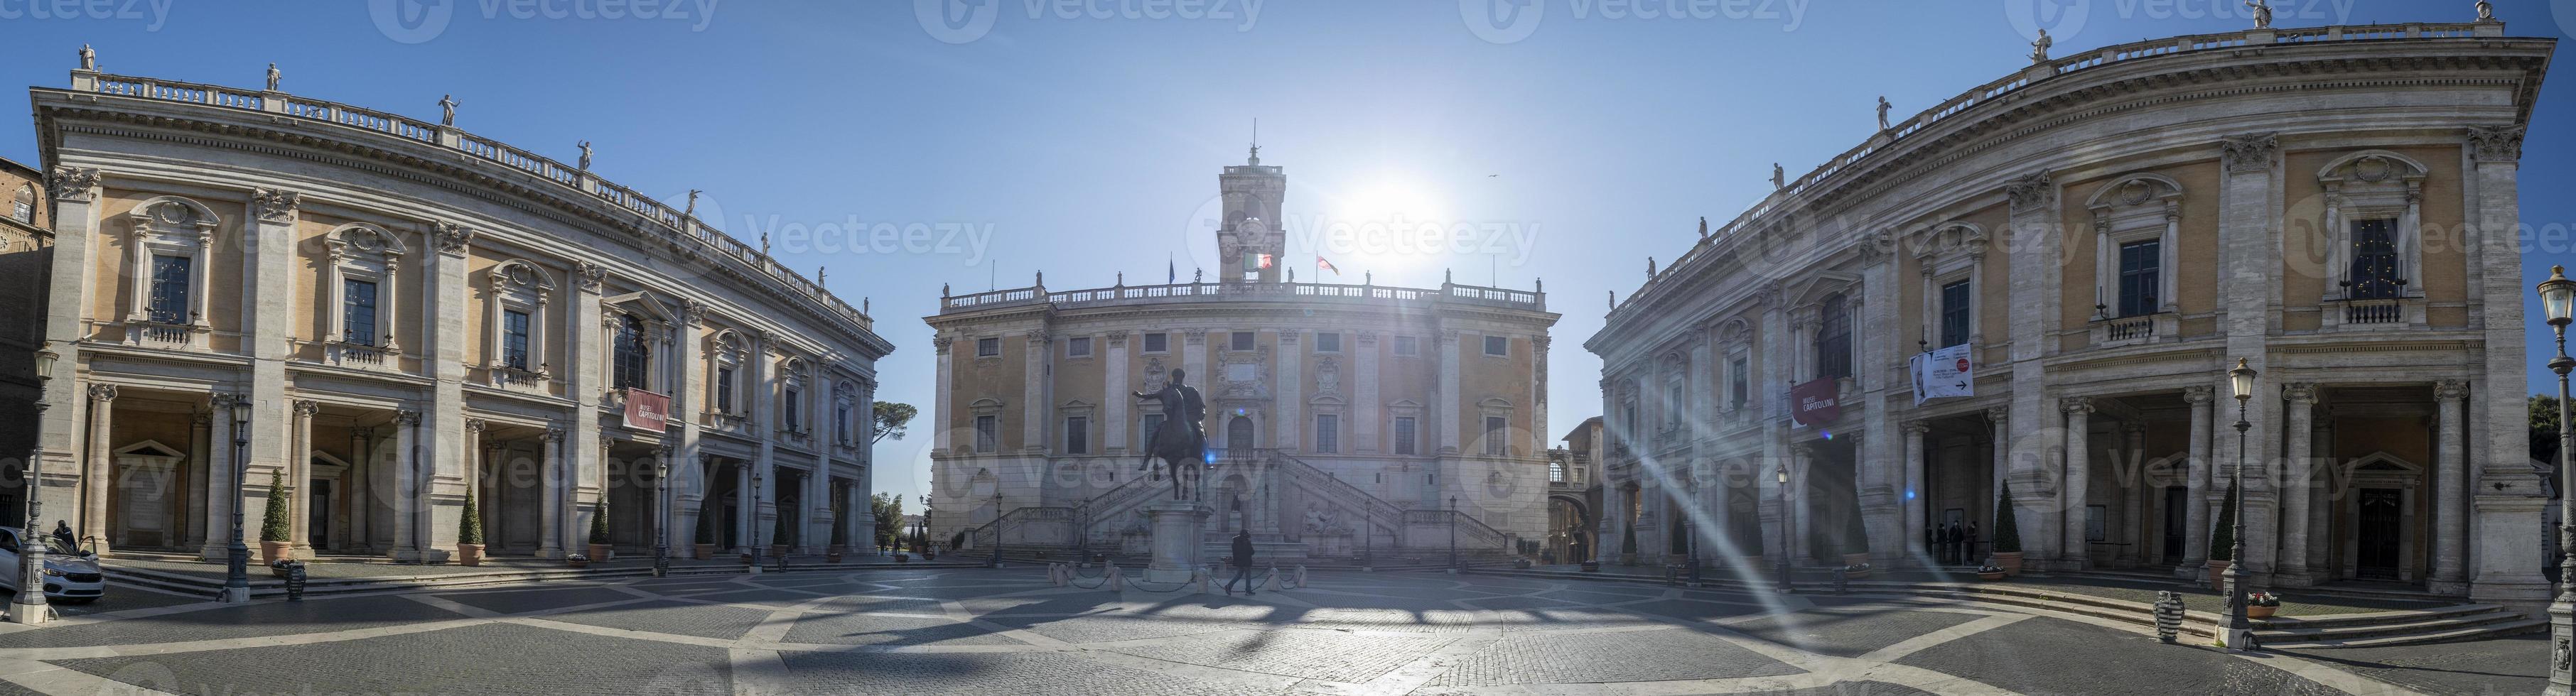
2177	522
2378	538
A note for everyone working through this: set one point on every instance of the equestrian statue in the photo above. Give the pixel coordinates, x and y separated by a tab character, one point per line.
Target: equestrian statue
1182	449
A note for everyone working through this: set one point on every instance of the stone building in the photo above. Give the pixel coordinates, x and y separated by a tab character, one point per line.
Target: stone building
26	232
1342	418
1574	495
411	310
2097	239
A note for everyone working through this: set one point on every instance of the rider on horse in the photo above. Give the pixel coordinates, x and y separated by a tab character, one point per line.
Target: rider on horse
1181	404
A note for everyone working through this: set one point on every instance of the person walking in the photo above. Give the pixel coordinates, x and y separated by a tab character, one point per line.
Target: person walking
1242	564
63	532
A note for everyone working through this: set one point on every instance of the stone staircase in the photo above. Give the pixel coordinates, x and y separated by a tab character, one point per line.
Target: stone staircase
2443	625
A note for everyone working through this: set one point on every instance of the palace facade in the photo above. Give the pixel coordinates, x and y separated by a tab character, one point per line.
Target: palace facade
413	313
1342	420
2097	240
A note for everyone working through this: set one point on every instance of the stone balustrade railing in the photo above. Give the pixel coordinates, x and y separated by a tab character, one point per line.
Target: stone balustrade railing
1532	300
2108	55
673	222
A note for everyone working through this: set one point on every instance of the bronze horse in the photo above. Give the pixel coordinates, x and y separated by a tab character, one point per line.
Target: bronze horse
1178	442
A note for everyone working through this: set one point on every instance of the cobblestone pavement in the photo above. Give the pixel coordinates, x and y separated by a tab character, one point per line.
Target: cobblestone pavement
1008	631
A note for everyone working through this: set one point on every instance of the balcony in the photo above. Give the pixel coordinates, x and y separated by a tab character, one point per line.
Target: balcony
2109	332
360	356
514	379
152	334
2372	314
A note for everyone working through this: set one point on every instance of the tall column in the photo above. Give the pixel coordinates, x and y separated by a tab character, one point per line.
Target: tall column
1448	418
192	492
269	267
1364	402
2298	486
2134	494
2075	549
2032	242
551	503
406	468
443	306
2195	542
71	283
2451	491
818	507
1913	536
2507	497
2249	257
219	479
943	422
763	510
299	477
1036	395
1801	481
1115	403
688	492
97	467
2000	417
1287	433
584	346
477	461
746	508
362	476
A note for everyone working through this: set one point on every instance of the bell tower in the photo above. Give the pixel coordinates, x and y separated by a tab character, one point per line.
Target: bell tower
1251	226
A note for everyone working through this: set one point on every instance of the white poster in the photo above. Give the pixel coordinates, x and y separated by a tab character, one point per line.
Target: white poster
1943	373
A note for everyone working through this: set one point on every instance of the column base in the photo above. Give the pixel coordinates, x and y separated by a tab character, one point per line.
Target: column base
2456	588
2527	597
30	614
2295	578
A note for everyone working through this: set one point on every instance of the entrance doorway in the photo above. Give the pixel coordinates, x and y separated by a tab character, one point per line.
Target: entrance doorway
2380	525
317	522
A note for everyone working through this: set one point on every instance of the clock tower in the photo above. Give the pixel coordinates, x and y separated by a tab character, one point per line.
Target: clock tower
1251	227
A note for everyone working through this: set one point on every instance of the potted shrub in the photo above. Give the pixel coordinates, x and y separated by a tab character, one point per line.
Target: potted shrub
1627	544
275	533
2007	533
2262	605
1990	573
577	561
599	549
1855	541
705	546
778	539
2222	540
469	532
902	557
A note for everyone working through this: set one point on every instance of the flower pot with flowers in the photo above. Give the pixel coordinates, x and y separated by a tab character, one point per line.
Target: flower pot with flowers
2262	605
1990	573
1856	571
577	561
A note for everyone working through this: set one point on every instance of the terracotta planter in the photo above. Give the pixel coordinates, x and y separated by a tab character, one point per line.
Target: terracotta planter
777	550
577	562
469	555
2009	561
704	551
271	551
1853	559
2218	575
2261	612
599	553
832	557
1990	577
903	558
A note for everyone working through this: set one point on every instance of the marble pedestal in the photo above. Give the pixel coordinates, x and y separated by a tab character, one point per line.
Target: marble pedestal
1176	525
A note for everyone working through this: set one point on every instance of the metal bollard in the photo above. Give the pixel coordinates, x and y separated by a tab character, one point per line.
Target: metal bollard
295	581
661	565
1842	581
2168	616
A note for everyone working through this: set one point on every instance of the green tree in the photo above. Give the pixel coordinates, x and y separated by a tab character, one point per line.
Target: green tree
888	509
706	527
891	418
2222	539
2007	524
2544	429
599	522
469	526
273	525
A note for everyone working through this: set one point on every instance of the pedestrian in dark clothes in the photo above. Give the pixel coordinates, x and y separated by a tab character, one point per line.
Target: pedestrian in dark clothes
1242	564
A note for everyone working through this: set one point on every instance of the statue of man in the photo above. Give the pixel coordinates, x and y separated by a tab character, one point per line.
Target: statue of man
447	110
89	58
585	156
2262	13
2039	49
1182	405
272	77
1883	106
1779	177
2486	11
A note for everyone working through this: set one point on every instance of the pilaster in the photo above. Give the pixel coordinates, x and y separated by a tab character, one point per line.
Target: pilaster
2249	254
584	382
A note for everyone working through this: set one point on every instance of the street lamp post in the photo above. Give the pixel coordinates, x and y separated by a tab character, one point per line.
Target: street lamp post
1453	532
662	515
29	607
2240	631
753	567
1782	477
996	560
2557	299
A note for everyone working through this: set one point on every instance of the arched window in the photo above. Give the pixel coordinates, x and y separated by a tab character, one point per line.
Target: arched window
1833	338
633	355
24	208
2374	260
1238	433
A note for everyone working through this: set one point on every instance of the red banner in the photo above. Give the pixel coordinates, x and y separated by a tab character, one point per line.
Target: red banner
1816	403
647	411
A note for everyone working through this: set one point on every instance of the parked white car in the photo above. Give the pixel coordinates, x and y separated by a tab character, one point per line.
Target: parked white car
71	575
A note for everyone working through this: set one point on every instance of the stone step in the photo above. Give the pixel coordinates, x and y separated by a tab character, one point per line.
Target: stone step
2360	631
2293	623
2481	632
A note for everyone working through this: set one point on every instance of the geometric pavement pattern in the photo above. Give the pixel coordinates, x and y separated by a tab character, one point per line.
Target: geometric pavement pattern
1007	631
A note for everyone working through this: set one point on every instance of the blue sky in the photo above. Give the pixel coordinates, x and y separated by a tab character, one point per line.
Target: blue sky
1085	139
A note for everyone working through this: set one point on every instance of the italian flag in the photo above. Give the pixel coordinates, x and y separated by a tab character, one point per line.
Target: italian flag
1323	265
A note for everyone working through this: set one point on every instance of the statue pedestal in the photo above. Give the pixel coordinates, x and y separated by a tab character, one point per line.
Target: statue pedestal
1176	539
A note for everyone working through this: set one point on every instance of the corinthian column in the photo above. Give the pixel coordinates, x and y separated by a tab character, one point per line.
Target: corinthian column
2195	542
2075	549
96	467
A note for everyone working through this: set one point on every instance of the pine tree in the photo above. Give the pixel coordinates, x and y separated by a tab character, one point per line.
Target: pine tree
599	522
469	526
274	526
2007	524
1855	531
2222	540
